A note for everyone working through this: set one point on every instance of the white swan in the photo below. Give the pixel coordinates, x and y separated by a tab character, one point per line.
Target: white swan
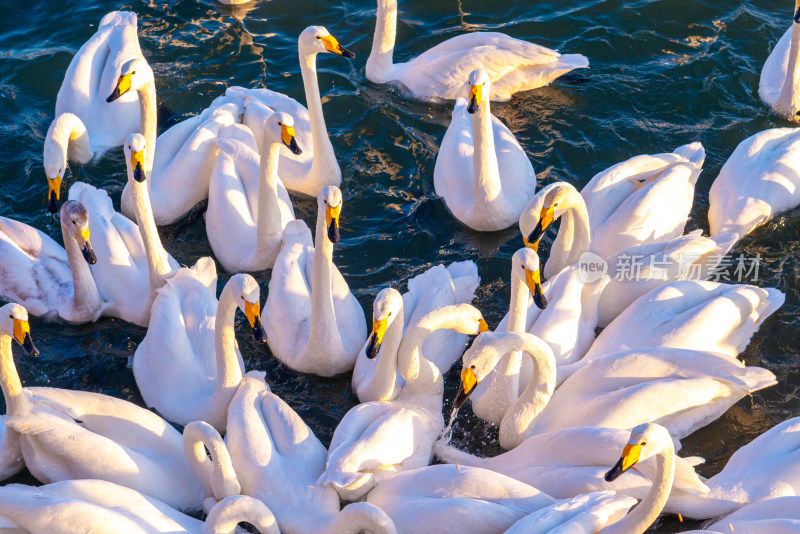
443	499
126	250
246	236
512	65
645	441
645	199
571	461
68	435
697	315
317	167
378	439
376	376
84	119
467	172
561	312
314	323
780	515
188	365
88	506
759	181
682	389
278	460
779	86
44	277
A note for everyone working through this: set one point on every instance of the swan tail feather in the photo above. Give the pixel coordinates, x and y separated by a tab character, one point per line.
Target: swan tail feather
696	155
465	280
119	18
452	455
725	242
758	378
573	61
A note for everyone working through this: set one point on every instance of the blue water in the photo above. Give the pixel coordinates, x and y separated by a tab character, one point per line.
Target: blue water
663	73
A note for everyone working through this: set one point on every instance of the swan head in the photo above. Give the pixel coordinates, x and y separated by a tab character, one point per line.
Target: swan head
330	200
479	85
14	323
55	167
387	307
646	440
247	294
485	352
134	75
318	40
134	156
75	219
545	207
525	266
279	128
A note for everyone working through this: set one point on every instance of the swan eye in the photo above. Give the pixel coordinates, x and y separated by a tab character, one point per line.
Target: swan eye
644	443
472	367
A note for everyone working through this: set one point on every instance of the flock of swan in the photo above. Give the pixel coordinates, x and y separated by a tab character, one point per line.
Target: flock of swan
591	423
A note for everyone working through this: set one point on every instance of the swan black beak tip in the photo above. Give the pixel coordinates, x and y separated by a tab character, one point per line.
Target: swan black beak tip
259	334
88	254
614	473
333	232
295	148
52	205
797	16
29	347
113	96
539	299
138	174
346	53
373	347
473	106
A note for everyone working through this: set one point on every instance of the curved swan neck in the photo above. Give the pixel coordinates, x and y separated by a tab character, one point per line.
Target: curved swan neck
157	261
486	186
226	515
518	308
268	223
641	517
573	239
789	99
519	420
16	401
86	296
148	118
216	472
67	139
380	61
229	374
324	159
360	517
381	385
506	375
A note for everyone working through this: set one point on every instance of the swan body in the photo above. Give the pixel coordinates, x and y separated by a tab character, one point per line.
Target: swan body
697	315
779	86
92	76
758	182
88	506
680	389
571	461
512	65
375	440
376	376
11	461
68	435
54	282
202	369
585	513
561	312
248	206
314	324
467	172
780	515
278	460
441	499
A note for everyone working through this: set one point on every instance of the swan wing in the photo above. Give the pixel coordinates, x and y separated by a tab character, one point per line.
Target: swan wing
773	74
779	515
585	513
760	180
34	270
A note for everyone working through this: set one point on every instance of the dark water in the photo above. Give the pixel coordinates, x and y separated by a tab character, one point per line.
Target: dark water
663	73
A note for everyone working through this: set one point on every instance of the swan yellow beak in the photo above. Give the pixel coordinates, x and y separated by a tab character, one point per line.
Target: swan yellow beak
54	194
253	313
123	86
534	283
332	222
546	218
468	384
629	458
137	164
287	136
85	244
376	337
332	45
475	93
482	326
22	334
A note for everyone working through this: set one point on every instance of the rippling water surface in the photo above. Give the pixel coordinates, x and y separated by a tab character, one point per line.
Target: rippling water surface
663	73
